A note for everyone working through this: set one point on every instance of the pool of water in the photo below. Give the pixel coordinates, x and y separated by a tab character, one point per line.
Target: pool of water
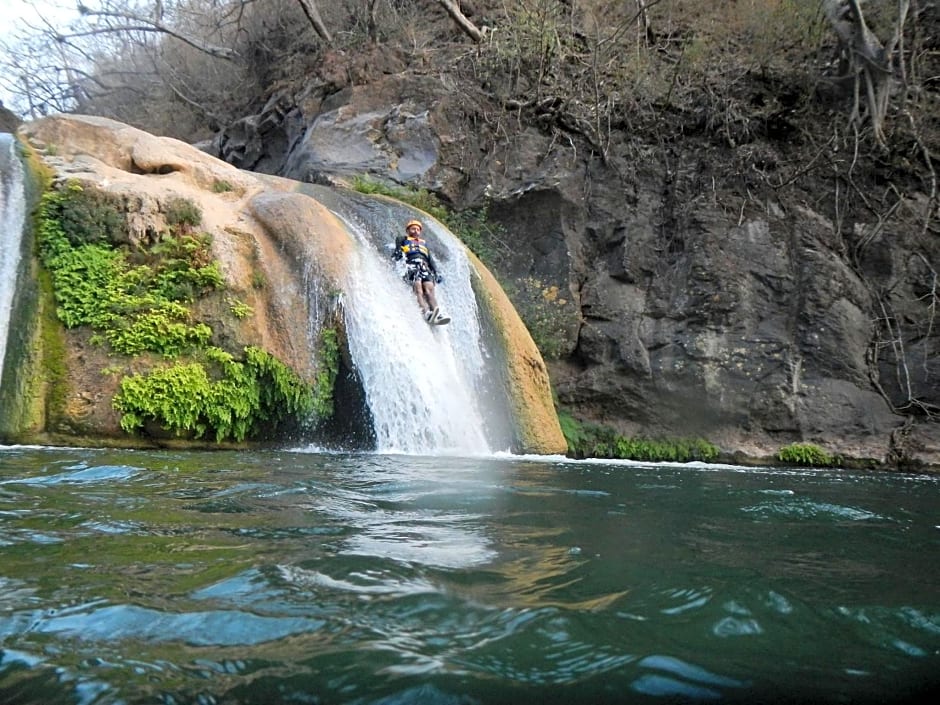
304	577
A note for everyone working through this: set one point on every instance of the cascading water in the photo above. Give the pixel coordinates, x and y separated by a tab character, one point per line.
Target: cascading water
421	382
12	219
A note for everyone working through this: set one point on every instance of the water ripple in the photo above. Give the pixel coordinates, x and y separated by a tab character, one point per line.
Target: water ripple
79	475
214	628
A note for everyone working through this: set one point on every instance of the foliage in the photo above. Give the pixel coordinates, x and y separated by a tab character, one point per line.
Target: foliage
221	186
183	212
419	198
597	441
216	396
135	301
486	239
238	308
86	215
807	454
134	308
545	312
327	371
574	432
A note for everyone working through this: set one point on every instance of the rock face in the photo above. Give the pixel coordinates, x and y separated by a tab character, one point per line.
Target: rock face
263	232
747	317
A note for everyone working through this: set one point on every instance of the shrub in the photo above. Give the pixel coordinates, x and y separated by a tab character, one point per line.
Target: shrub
182	212
807	454
86	215
217	396
545	312
598	441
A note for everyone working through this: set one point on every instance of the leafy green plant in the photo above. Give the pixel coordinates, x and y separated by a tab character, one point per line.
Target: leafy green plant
327	371
807	454
222	186
238	308
681	450
573	431
134	308
598	441
218	396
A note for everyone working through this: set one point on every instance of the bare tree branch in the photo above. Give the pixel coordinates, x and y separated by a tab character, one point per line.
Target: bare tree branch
869	61
145	24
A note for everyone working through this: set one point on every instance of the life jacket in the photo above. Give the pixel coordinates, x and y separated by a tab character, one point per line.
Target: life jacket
415	250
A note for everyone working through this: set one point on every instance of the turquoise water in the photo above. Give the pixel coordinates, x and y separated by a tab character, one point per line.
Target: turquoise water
293	577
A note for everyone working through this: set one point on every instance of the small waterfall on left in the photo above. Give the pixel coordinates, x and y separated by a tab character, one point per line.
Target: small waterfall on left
12	220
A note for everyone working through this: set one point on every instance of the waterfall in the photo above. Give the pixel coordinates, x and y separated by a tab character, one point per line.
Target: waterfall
422	383
12	219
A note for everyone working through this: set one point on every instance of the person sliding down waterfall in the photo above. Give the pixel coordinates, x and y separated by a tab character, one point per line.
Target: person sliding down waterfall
420	271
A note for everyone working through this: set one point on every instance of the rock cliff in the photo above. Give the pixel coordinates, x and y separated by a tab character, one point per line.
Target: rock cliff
269	241
685	287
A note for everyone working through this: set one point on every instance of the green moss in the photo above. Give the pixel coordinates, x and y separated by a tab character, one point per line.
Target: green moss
807	454
53	352
327	370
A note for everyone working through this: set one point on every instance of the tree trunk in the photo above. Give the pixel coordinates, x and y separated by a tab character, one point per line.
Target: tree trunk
868	60
470	29
313	14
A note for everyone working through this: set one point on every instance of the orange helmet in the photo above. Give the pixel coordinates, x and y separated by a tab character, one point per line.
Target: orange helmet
414	222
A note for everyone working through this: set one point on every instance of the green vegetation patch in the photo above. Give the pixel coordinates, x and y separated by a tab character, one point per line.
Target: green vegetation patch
807	454
137	301
217	396
546	313
596	441
327	371
135	307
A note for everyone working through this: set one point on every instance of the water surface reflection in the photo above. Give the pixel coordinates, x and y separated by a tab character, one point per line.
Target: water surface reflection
133	577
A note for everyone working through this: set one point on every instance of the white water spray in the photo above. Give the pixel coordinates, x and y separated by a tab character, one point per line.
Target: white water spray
420	381
12	219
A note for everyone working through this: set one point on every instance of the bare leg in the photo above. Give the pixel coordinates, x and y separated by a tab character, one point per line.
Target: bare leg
419	294
429	294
